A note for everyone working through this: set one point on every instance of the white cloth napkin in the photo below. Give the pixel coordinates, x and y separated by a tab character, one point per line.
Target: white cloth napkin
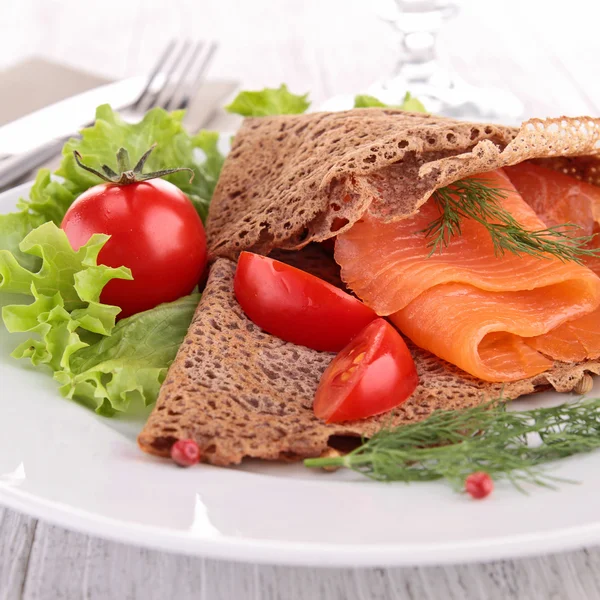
34	83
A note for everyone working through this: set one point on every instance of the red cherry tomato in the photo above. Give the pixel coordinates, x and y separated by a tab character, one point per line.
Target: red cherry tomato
374	373
297	306
155	231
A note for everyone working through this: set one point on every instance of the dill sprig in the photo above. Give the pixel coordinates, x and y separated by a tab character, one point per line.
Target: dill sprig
479	200
451	445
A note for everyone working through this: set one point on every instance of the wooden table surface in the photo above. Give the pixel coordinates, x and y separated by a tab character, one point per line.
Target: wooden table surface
547	56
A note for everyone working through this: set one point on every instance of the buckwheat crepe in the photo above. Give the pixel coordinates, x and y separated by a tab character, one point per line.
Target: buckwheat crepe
292	180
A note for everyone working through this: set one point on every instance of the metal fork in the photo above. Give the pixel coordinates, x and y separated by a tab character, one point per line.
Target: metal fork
172	84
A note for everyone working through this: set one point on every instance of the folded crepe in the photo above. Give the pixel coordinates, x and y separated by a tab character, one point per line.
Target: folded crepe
292	180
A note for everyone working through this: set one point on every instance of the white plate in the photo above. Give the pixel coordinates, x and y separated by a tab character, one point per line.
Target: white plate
63	463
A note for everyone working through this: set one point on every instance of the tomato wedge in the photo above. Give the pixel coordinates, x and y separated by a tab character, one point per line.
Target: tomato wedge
297	306
374	373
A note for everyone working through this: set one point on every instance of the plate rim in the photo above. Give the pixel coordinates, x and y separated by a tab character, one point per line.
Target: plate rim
306	554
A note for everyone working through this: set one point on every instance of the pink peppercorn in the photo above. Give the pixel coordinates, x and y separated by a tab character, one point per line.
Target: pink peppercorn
185	453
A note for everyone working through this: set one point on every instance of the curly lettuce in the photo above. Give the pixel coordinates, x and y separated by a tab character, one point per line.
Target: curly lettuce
409	103
280	101
267	102
73	333
132	362
13	228
66	312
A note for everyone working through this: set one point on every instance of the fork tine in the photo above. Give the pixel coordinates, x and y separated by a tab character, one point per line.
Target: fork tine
144	96
170	103
168	73
196	81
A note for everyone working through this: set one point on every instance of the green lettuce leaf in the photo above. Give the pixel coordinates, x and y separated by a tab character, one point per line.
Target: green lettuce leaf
48	198
412	104
66	313
209	170
366	101
132	362
57	337
13	228
99	144
409	103
103	365
73	274
270	101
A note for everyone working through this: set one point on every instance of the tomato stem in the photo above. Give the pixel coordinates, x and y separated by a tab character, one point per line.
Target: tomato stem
126	175
123	160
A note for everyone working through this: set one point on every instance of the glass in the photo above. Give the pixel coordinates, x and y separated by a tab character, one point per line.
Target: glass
419	71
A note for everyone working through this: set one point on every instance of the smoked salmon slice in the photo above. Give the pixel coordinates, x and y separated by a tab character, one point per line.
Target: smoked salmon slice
573	341
557	198
487	314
